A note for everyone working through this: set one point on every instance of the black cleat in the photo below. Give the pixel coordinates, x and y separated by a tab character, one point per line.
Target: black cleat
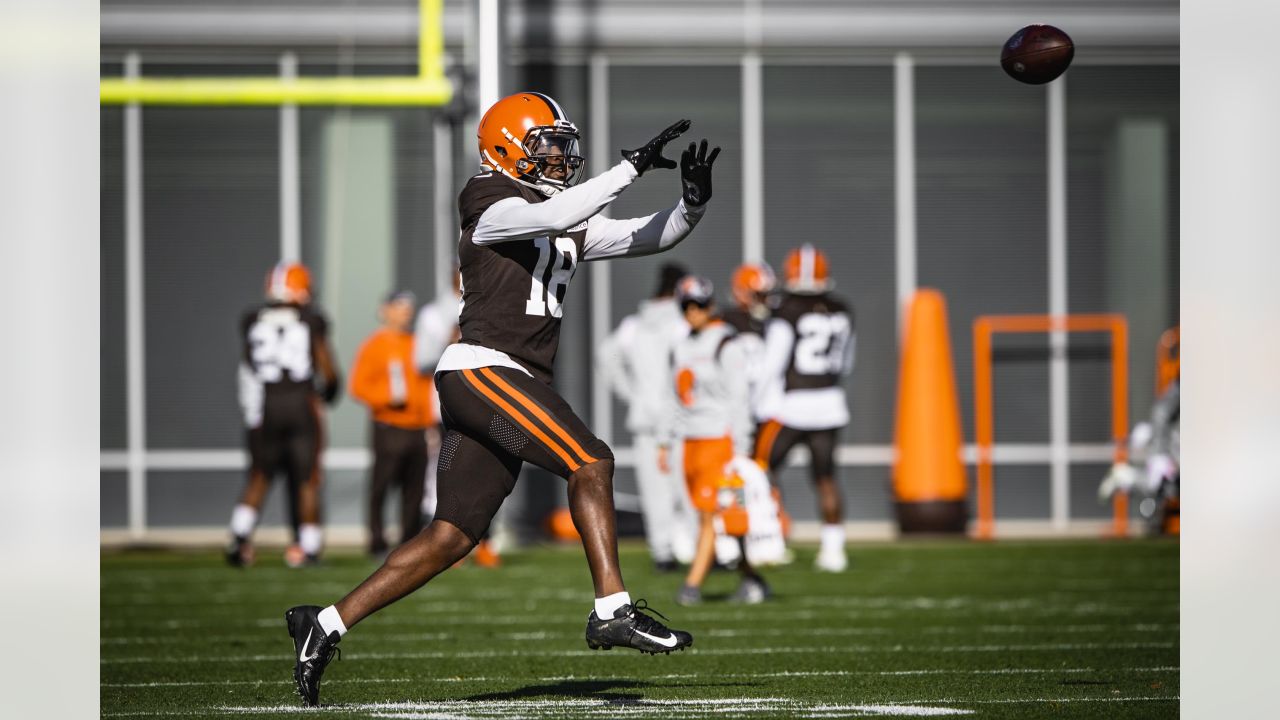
312	648
239	552
631	628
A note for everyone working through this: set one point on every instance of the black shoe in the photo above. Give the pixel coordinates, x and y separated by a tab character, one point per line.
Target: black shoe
312	648
665	566
239	552
631	628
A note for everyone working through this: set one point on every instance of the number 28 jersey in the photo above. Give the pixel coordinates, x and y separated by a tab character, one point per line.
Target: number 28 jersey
512	292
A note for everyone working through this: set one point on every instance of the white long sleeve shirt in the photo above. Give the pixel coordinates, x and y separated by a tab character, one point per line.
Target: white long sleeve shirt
710	387
635	361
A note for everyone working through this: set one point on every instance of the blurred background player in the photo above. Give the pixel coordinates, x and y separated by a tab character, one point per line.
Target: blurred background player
436	329
749	289
286	347
384	377
1157	445
636	364
713	422
809	346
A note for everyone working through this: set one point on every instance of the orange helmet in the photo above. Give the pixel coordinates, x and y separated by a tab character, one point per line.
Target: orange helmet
289	282
750	281
524	136
806	270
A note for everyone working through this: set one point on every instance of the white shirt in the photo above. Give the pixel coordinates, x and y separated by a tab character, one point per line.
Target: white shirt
710	389
635	362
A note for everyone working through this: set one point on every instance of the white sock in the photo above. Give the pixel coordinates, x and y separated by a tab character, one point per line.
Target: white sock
609	604
833	538
331	622
310	538
243	520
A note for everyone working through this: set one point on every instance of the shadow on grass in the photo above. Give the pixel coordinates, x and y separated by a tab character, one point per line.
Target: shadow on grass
615	692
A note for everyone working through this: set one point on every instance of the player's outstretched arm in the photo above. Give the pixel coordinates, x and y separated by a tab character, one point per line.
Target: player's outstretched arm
607	238
516	219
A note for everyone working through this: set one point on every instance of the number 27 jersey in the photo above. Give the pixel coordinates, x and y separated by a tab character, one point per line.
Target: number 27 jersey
512	292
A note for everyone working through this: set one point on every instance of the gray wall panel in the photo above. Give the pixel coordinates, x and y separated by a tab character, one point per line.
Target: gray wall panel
829	180
982	223
1021	492
865	490
111	309
212	233
113	504
1098	100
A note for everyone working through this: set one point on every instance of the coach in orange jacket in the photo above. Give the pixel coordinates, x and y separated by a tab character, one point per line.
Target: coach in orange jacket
384	378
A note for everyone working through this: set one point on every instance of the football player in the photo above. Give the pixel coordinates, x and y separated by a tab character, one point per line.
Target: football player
525	227
808	350
750	288
713	419
384	378
286	352
636	364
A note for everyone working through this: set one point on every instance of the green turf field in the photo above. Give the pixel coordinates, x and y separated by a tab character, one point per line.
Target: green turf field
1006	630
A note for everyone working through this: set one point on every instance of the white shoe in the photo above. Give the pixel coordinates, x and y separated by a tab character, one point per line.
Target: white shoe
833	561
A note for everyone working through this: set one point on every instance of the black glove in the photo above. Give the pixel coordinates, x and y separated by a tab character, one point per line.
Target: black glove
650	155
329	391
695	173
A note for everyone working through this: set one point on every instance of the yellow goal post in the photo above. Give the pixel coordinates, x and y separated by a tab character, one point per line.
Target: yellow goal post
429	87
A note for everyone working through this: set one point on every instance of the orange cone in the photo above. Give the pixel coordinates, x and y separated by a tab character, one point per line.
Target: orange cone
560	526
928	478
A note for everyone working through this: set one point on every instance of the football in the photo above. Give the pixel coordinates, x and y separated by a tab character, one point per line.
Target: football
1037	54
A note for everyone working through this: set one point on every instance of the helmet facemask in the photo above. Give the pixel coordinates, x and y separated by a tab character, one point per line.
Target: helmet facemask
551	162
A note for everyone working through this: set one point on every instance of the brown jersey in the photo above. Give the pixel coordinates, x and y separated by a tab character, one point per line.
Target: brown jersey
279	345
822	329
512	292
743	321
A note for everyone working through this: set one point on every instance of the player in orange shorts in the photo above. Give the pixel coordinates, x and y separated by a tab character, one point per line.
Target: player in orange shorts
714	421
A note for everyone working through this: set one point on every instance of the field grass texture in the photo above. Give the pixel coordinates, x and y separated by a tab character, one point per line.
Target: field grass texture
913	629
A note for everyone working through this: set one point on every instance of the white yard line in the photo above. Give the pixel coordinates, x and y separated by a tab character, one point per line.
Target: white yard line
828	649
602	708
672	676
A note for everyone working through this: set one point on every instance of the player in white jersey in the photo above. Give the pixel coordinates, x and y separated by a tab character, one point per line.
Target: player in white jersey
808	350
749	311
635	361
713	421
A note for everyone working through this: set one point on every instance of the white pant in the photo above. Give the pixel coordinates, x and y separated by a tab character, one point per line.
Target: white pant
670	524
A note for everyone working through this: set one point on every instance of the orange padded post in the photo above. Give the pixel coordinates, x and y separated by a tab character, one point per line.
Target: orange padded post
928	475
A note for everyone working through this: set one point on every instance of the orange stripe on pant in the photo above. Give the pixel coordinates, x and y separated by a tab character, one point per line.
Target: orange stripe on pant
520	418
532	407
764	446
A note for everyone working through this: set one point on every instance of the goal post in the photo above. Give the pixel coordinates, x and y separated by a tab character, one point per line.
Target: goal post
430	87
985	327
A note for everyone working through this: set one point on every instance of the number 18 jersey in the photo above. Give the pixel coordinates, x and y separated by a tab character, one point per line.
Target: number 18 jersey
512	292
